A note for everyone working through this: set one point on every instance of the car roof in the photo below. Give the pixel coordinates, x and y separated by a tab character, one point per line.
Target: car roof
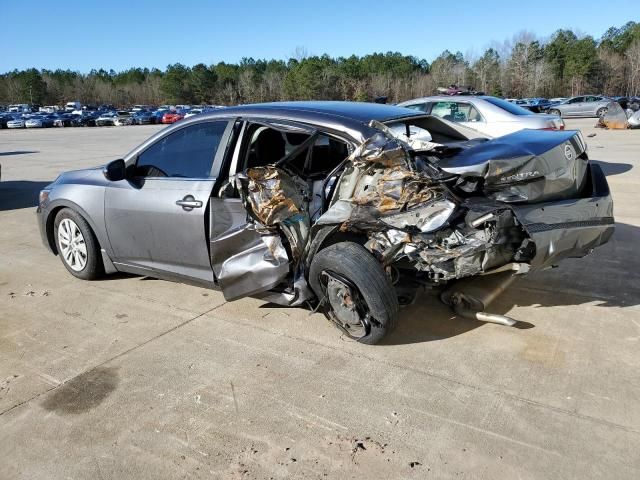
351	116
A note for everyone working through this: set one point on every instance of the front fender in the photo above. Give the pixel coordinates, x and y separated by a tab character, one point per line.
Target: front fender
87	200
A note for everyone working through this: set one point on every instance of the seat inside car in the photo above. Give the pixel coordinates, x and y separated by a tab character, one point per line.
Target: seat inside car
267	148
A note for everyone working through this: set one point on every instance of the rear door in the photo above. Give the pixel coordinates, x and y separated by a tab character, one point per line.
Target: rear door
157	218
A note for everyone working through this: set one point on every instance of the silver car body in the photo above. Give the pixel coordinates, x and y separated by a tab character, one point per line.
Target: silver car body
185	227
581	106
479	113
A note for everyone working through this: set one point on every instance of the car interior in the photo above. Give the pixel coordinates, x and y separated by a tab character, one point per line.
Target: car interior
310	155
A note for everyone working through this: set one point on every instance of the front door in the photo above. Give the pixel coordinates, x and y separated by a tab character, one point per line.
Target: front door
156	219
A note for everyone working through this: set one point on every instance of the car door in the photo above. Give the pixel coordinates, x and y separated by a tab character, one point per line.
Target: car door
575	106
592	104
156	218
248	257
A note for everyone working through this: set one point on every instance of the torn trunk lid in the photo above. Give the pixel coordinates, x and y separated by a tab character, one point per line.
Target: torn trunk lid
529	166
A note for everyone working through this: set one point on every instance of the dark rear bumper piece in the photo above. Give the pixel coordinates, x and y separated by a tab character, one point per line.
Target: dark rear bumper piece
570	228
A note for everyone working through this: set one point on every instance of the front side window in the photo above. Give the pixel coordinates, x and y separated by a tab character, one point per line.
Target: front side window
186	153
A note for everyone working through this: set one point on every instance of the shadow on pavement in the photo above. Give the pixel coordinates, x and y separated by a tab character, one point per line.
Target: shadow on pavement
596	280
17	152
613	168
15	194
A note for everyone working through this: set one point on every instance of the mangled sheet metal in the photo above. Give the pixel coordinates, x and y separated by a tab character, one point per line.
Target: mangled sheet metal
468	223
528	166
276	199
615	118
618	118
446	212
248	259
405	213
633	118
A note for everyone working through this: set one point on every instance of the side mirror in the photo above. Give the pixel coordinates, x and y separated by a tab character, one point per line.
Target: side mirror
114	171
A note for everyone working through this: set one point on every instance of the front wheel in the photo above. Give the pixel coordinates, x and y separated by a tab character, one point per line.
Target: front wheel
601	112
77	245
356	293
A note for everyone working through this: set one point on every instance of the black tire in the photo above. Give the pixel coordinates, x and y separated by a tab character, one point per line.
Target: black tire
602	111
553	111
93	267
355	264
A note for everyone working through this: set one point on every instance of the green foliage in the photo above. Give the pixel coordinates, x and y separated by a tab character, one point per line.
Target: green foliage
619	39
175	85
564	65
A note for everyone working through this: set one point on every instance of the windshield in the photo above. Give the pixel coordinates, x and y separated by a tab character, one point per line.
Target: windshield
509	107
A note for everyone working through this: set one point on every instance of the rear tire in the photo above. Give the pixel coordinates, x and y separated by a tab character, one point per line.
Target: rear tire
358	295
77	245
553	111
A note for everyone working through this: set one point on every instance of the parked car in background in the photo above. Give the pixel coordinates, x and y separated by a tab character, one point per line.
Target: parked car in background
193	111
6	117
123	118
106	119
65	119
49	109
226	200
488	115
39	121
581	106
557	99
537	105
156	115
138	108
19	108
17	121
173	117
141	117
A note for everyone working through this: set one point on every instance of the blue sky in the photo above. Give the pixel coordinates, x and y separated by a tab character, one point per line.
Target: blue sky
117	34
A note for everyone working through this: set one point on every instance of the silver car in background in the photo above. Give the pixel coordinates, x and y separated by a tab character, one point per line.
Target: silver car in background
490	116
582	106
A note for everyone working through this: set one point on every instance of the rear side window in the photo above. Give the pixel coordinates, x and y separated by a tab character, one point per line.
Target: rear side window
421	107
186	153
509	107
456	111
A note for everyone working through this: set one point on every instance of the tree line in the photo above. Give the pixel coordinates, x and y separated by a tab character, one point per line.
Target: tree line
563	65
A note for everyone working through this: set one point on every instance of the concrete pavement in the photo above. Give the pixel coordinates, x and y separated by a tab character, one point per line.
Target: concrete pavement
132	377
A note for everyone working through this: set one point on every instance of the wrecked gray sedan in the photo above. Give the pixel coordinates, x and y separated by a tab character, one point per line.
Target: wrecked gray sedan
345	208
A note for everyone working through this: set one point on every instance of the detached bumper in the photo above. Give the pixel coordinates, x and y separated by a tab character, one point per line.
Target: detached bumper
570	228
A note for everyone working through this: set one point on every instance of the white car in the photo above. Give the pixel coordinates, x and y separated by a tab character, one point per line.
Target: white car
490	116
16	123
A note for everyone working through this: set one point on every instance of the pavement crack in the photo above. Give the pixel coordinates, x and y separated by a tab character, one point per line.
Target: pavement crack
115	357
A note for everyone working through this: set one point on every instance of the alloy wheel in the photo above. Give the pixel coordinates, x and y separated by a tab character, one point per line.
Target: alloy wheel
72	245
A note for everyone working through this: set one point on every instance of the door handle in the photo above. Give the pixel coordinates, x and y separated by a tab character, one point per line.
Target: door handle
188	203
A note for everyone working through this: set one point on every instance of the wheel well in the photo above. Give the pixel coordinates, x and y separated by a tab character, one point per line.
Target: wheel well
50	233
51	238
339	236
